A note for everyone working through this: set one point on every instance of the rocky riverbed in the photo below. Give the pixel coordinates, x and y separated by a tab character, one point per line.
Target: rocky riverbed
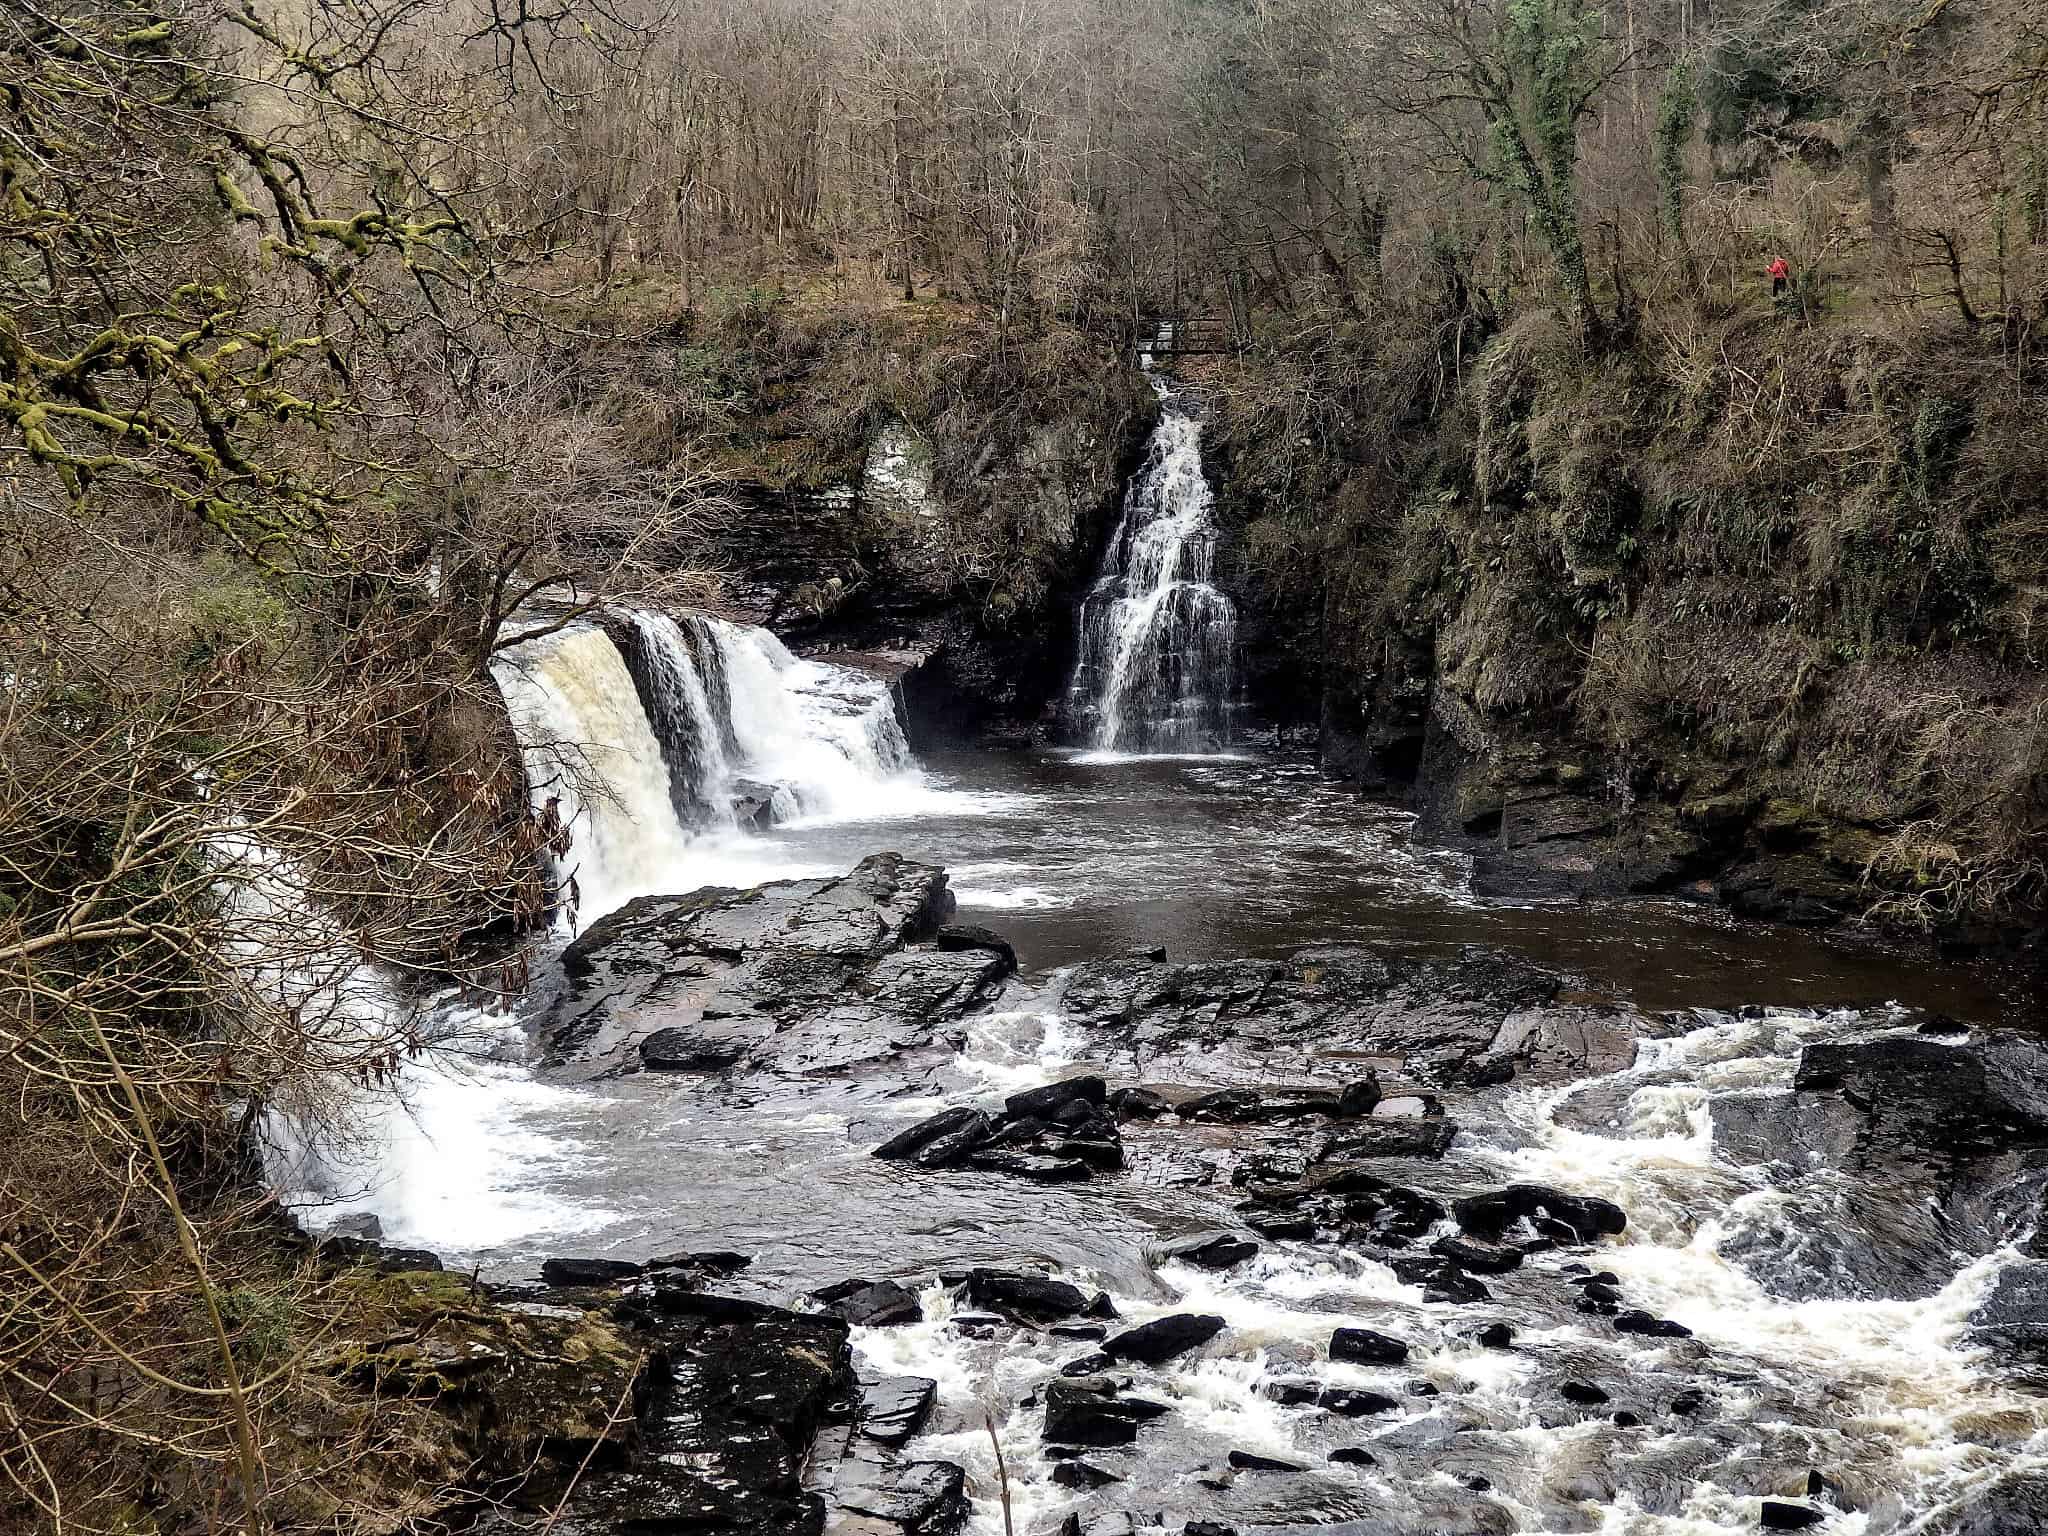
1354	1237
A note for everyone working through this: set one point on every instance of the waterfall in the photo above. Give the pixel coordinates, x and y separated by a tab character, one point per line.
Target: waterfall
658	740
1158	642
821	737
592	758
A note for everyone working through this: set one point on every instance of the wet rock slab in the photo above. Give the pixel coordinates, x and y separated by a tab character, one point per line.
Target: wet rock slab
802	976
1483	1011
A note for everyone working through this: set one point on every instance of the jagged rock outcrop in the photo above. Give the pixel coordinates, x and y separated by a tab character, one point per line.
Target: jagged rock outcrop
797	975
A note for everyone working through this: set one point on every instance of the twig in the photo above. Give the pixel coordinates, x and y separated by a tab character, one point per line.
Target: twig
617	1414
1002	1471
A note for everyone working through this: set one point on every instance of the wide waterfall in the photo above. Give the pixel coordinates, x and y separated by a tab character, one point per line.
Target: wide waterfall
1157	667
657	742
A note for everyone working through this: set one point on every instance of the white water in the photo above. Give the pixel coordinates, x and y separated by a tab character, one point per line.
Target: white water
652	789
1157	664
444	1151
419	1114
1915	1426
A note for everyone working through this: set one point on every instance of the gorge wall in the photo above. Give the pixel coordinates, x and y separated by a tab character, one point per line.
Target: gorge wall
1740	609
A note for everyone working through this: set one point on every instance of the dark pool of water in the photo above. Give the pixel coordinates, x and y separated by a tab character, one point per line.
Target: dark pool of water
1073	857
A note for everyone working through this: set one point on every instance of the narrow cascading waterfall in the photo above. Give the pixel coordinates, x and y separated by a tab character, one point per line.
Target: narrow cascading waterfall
1157	669
692	726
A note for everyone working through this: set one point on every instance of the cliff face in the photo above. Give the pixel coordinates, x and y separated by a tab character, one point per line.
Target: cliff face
904	480
1749	611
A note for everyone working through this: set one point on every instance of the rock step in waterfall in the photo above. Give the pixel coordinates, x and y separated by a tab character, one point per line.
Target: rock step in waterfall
1157	661
645	734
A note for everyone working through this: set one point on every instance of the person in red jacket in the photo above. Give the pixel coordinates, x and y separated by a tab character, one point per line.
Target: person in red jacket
1780	276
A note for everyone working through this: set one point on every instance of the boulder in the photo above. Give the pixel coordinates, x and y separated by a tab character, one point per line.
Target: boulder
1039	1167
1163	1338
918	1498
337	1249
1138	1104
914	1139
1407	1136
1250	1106
1364	1346
894	1408
1032	1298
1080	1474
954	937
1634	1321
798	975
1353	1403
1440	1279
871	1303
1776	1515
589	1271
1251	1461
1959	1098
1583	1393
710	1262
1476	1255
1293	1394
1550	1212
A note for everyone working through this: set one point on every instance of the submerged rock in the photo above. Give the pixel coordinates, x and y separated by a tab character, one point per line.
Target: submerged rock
1077	1413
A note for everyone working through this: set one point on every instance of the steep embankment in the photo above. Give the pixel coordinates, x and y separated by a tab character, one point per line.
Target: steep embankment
1740	605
